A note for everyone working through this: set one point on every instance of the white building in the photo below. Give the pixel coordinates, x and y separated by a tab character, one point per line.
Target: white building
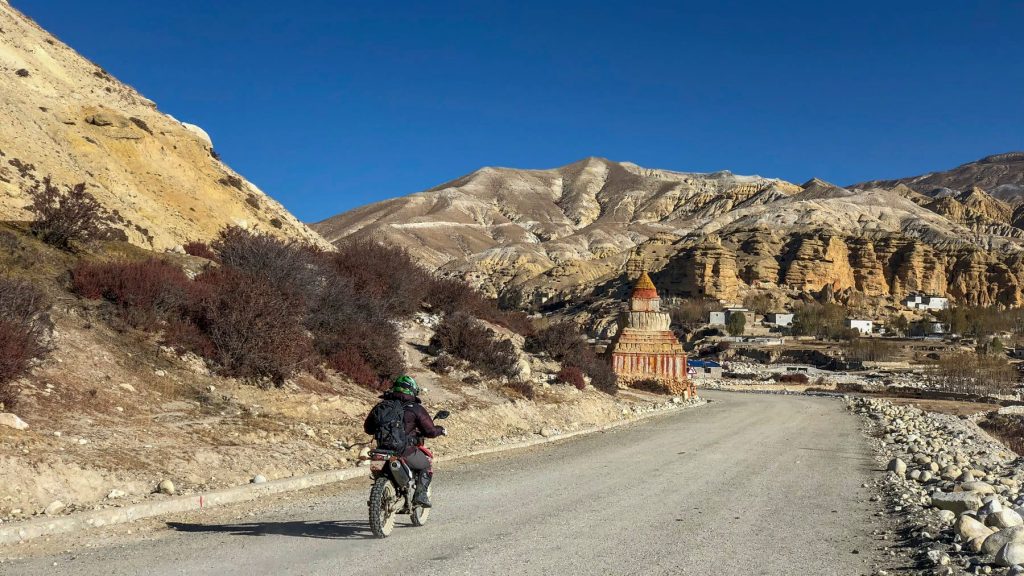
781	319
865	327
924	302
721	317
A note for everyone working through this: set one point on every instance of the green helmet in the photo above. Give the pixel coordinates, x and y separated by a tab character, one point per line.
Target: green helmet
406	385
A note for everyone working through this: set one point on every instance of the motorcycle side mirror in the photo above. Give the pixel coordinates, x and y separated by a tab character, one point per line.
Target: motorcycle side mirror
442	415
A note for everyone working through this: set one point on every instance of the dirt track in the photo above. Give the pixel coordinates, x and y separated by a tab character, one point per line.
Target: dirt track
751	484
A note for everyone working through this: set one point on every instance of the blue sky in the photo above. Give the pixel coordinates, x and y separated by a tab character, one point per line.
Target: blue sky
329	105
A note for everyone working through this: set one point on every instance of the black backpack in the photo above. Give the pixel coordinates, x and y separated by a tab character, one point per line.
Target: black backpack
390	418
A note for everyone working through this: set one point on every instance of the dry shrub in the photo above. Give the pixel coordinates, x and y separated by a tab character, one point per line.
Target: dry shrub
65	218
287	265
792	378
145	291
564	342
200	250
386	274
444	363
572	375
449	295
350	362
972	373
393	276
650	385
461	335
256	329
23	327
346	322
524	389
871	350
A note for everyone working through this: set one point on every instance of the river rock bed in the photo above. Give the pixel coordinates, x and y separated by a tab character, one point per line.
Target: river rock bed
955	490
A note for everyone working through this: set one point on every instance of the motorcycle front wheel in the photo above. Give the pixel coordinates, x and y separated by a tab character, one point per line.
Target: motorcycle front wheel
420	514
382	517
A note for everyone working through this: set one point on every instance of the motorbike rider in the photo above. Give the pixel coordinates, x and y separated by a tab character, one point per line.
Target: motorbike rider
418	425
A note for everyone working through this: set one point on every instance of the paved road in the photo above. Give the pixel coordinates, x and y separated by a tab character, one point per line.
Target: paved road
751	484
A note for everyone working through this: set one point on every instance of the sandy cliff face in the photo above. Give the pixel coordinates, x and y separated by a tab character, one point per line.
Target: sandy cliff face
66	117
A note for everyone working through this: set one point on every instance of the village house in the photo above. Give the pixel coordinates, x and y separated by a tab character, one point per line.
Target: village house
721	318
779	319
926	302
865	327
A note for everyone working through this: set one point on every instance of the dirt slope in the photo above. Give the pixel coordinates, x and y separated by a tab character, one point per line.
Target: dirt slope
65	116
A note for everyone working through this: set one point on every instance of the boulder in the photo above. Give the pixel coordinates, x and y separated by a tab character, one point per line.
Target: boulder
1010	554
969	528
898	466
259	479
1001	538
1004	519
975	486
54	508
165	487
12	421
956	502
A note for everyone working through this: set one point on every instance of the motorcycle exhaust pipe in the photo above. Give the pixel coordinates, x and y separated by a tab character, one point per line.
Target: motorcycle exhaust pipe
400	473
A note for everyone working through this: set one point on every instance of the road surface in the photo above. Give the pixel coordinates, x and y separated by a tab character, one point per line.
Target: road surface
750	484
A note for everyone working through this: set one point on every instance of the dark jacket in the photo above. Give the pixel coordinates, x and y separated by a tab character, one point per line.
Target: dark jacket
418	423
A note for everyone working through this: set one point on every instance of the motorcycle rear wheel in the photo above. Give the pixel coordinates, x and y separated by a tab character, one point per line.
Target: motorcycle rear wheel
420	514
382	517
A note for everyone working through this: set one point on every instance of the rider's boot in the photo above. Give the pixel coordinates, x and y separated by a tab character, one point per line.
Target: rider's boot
420	497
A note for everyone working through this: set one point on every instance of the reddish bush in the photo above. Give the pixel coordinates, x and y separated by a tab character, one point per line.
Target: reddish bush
23	324
572	375
343	319
256	329
200	250
287	265
449	295
145	291
565	342
383	273
462	336
793	378
350	362
66	217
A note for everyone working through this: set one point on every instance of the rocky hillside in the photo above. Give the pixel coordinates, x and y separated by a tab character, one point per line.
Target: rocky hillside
542	238
67	117
1002	175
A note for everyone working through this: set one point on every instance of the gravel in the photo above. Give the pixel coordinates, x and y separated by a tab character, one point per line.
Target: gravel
959	492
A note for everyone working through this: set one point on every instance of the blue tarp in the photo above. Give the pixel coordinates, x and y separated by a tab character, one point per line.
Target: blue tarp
703	364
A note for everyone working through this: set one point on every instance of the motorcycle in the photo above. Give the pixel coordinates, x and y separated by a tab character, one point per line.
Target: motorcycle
394	484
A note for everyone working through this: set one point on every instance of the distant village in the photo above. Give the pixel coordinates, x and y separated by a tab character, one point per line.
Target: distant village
773	327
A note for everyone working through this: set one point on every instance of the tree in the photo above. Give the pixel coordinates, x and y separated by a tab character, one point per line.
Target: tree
899	324
736	324
759	303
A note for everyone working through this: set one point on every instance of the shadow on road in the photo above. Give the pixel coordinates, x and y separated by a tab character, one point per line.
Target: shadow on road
326	530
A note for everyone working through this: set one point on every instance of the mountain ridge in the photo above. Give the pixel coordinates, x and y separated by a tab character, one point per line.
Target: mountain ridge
544	237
